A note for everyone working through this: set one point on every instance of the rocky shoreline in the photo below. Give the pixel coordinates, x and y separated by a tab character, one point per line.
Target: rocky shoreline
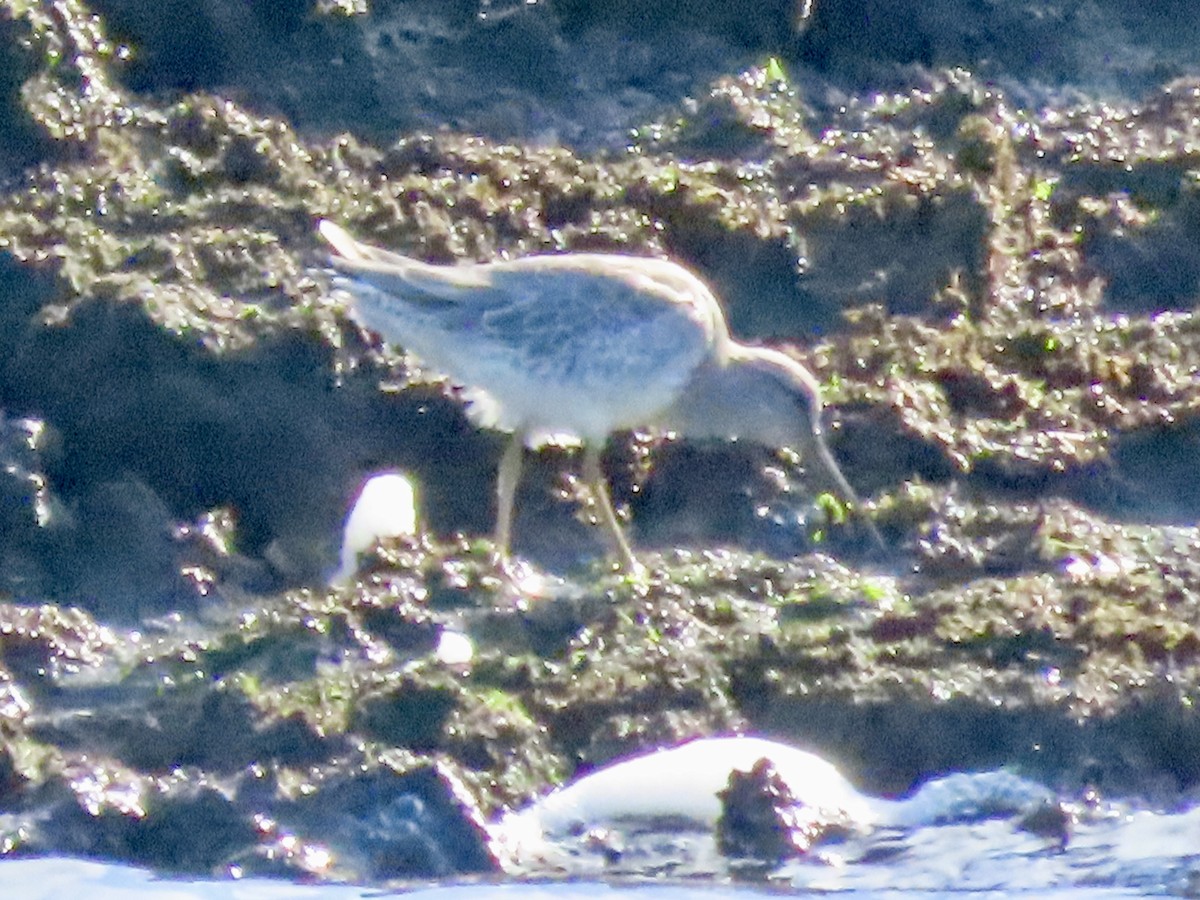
998	301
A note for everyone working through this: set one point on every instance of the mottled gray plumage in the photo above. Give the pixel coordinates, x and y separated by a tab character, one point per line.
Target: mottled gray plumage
575	346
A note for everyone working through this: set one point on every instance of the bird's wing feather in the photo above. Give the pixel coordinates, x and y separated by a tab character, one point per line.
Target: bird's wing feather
413	280
579	317
394	272
576	325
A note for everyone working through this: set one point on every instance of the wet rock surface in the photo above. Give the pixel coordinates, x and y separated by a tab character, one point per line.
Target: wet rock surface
762	822
997	295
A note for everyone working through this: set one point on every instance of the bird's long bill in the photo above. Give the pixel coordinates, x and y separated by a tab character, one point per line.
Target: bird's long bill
834	473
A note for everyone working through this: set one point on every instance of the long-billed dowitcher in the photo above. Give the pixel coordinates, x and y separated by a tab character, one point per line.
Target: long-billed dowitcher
576	346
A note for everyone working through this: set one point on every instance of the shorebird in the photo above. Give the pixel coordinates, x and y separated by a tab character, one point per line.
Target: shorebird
573	347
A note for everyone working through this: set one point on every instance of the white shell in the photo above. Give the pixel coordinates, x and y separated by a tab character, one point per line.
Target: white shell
385	507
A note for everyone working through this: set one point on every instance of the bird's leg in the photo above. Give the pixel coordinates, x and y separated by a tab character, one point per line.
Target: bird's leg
835	474
594	478
506	491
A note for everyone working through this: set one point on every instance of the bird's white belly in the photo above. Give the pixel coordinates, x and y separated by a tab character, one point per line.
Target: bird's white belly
562	412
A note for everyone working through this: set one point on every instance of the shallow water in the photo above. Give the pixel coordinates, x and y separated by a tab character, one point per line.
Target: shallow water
962	834
49	879
973	840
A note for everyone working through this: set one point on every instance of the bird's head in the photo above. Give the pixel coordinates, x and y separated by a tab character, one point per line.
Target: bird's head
765	396
771	399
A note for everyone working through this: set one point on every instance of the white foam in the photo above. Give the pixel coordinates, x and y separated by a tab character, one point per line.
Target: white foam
681	783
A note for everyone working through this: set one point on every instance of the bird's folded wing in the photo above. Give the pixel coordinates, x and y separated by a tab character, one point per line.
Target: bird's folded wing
577	317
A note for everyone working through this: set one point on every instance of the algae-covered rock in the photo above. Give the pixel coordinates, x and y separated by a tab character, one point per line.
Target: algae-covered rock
997	296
